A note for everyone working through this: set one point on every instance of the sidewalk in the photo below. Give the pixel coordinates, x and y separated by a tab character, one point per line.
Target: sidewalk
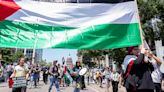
96	88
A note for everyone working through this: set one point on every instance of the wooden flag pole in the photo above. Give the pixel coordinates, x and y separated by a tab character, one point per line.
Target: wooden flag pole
140	28
144	43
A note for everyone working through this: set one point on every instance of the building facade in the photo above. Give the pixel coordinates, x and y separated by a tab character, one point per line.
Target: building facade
159	49
69	62
29	54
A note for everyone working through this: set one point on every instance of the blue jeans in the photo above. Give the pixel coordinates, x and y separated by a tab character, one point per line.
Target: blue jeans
78	84
54	80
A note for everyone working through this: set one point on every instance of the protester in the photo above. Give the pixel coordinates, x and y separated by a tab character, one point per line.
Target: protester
6	77
77	77
137	74
156	74
99	78
107	75
45	74
37	73
34	74
88	77
31	76
20	71
115	80
9	69
92	76
162	83
62	78
1	73
61	72
83	82
54	74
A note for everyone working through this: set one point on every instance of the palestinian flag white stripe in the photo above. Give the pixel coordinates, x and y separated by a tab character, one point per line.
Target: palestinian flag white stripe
76	24
75	15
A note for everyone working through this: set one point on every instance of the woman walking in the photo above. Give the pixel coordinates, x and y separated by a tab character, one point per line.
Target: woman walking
115	80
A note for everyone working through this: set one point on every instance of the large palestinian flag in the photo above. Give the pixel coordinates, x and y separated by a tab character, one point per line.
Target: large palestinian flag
75	24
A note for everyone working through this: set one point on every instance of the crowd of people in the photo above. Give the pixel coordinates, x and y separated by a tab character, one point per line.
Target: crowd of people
139	73
32	73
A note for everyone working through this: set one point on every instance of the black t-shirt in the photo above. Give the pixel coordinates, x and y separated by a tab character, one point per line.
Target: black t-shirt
163	76
54	69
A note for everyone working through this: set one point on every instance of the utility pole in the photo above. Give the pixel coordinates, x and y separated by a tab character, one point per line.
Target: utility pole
25	52
33	56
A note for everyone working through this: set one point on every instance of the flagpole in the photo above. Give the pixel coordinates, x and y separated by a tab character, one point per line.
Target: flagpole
33	56
140	28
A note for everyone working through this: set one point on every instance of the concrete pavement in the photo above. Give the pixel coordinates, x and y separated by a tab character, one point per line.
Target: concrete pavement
42	88
96	88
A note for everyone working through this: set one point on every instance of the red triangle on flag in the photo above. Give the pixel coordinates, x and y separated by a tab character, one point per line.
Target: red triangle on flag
7	8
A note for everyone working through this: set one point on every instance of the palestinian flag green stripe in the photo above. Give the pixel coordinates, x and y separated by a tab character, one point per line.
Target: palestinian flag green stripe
103	36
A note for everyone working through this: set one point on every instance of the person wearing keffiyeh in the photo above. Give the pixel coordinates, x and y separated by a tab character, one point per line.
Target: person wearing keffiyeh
137	74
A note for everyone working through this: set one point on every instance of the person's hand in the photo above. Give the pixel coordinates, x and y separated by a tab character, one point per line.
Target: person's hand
150	53
74	74
162	86
12	76
143	50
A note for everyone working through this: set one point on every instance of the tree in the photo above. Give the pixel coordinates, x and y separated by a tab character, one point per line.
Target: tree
87	61
6	54
148	10
115	54
9	55
43	63
16	56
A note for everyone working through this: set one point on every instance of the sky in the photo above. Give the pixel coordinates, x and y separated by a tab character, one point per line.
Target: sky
57	54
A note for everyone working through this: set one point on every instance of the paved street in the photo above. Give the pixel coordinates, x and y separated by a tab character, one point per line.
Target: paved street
44	88
96	88
41	88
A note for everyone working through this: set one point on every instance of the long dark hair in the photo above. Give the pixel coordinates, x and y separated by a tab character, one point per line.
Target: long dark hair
77	65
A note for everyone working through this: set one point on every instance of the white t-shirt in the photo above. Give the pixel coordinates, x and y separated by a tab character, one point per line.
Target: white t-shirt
156	74
107	74
115	76
20	71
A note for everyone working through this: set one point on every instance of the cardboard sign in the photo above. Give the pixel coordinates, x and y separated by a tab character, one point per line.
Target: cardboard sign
19	82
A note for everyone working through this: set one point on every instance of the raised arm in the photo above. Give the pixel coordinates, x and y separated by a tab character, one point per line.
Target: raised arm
158	60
